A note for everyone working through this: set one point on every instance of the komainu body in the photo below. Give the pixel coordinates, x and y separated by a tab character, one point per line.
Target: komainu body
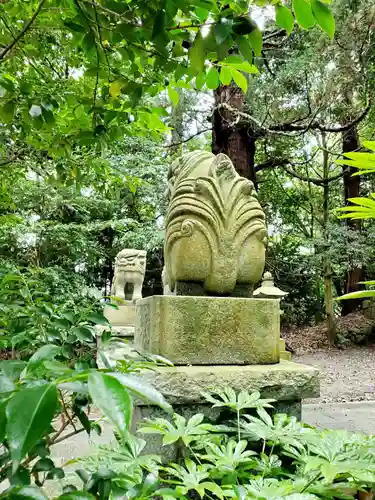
130	268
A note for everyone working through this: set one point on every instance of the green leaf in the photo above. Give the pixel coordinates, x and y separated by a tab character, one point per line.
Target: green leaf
42	465
98	319
115	88
112	398
200	80
6	386
284	18
143	390
225	75
173	95
29	414
212	78
324	17
76	495
238	63
304	16
222	31
46	352
2	420
362	294
83	333
256	40
245	48
197	53
12	369
239	79
26	493
159	24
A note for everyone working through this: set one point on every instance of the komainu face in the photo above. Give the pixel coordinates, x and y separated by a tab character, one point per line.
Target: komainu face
130	260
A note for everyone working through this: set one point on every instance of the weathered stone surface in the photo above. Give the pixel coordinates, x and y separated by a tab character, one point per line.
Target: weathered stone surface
117	331
284	381
123	316
130	268
166	289
286	355
215	227
209	330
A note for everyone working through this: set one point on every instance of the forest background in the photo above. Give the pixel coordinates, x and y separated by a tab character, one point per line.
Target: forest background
89	126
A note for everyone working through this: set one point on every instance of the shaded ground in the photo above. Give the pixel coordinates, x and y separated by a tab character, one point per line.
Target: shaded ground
346	375
347	372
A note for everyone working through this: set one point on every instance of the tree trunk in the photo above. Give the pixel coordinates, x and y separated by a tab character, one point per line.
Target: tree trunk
236	141
327	268
350	142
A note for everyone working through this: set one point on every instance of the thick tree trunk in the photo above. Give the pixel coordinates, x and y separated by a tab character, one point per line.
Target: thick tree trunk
235	141
350	142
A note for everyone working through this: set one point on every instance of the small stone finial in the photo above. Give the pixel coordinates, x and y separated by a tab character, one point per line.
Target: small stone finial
268	290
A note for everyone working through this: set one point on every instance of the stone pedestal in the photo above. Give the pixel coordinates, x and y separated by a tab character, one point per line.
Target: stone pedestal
123	316
122	321
182	386
217	342
209	330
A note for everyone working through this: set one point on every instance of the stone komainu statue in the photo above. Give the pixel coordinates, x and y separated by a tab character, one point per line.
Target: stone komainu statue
130	268
215	228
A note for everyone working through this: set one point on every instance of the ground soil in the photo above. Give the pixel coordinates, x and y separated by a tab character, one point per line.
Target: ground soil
347	373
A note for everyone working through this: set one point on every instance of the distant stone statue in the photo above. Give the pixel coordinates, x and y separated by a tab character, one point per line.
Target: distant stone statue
130	268
215	228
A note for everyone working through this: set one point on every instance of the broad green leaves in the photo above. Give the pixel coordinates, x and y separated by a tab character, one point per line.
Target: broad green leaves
323	17
212	78
127	59
143	390
112	398
307	14
303	12
284	18
239	79
29	413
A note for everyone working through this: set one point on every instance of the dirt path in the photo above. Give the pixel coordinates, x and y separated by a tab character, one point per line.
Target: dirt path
346	375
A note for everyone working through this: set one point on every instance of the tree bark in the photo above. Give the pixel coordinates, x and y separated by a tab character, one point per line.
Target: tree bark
350	142
236	141
327	268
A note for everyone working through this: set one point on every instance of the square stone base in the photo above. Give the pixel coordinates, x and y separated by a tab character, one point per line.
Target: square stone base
209	330
286	382
123	316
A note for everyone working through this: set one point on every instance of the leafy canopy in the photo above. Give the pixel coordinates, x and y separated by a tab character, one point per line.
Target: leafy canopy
78	72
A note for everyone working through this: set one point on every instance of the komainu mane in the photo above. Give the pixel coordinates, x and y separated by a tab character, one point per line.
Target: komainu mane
215	228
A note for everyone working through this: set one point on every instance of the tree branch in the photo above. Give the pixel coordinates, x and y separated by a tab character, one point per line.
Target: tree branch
22	32
285	128
316	181
271	163
189	138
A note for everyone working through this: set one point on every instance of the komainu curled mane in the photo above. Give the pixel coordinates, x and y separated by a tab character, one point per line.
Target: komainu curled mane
215	228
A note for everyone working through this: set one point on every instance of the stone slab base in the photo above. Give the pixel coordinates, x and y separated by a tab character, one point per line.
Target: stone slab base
123	316
117	331
209	330
182	386
283	381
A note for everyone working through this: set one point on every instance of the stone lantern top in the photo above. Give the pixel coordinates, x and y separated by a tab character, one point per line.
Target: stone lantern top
268	290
